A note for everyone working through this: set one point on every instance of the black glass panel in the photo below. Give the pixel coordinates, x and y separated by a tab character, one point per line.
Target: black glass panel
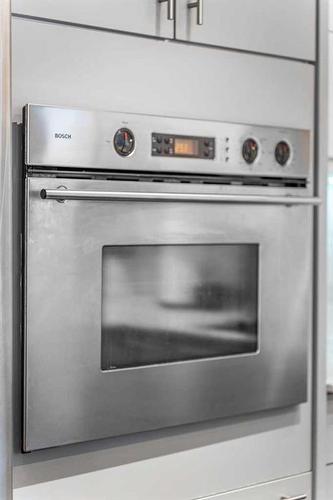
166	303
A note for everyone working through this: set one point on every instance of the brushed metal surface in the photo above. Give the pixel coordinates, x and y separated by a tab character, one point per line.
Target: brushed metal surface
68	398
298	497
199	6
63	137
171	8
65	194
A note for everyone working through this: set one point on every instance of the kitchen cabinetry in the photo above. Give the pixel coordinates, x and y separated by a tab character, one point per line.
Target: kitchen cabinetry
284	28
293	488
330	481
330	433
281	28
147	17
330	95
96	487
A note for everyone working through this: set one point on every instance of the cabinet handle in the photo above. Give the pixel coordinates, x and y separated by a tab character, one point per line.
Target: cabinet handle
300	497
171	8
199	6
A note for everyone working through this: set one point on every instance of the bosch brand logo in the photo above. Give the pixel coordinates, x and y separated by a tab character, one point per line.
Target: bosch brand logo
62	136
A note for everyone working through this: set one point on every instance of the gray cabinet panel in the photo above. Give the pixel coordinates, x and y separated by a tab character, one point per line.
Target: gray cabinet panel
97	486
284	28
330	481
297	486
60	65
330	432
275	27
148	17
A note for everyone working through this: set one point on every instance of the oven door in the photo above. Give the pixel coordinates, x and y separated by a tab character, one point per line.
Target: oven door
156	307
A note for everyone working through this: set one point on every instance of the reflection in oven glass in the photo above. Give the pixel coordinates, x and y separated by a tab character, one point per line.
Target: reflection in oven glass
167	303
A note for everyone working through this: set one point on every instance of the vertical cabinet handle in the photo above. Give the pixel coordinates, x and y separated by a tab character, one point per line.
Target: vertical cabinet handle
171	8
199	6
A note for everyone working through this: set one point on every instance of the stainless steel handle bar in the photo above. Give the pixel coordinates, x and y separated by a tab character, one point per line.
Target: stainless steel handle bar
67	194
199	6
171	8
300	497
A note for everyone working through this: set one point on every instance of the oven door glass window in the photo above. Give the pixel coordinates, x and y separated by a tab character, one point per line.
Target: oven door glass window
169	303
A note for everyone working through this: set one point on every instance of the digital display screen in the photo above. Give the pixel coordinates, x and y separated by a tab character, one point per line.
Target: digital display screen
186	147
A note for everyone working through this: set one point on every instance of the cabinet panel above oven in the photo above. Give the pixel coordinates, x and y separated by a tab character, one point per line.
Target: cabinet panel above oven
91	69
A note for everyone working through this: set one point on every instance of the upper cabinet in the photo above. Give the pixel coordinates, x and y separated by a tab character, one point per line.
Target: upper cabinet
279	27
146	17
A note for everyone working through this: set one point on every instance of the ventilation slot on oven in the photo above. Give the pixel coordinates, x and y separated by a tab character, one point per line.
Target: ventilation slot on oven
233	180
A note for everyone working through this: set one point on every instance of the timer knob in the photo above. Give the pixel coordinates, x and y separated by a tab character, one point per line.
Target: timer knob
250	150
124	142
282	153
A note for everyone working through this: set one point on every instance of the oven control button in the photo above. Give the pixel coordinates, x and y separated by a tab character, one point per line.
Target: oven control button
250	150
124	142
282	153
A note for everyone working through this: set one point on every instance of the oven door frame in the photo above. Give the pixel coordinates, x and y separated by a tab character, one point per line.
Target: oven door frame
67	396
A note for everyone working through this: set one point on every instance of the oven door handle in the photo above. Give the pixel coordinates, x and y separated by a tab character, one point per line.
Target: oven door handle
63	194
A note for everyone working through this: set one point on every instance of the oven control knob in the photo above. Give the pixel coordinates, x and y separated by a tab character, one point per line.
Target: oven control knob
124	142
282	153
250	150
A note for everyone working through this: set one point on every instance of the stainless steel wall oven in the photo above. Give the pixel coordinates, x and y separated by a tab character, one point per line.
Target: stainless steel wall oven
168	272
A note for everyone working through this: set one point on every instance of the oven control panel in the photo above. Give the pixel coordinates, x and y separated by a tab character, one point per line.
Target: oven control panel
126	142
182	146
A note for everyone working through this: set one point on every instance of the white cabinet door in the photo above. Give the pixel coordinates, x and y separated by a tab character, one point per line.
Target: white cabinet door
147	17
283	27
